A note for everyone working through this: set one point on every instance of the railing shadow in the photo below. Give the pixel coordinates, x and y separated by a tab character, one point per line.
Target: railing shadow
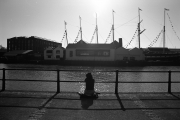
87	102
120	102
42	106
175	96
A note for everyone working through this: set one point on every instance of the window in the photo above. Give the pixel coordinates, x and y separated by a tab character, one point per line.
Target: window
71	54
102	53
57	56
132	58
49	51
57	51
99	53
125	58
85	53
105	53
49	56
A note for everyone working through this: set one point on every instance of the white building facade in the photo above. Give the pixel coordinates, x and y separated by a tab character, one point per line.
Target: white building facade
90	52
54	53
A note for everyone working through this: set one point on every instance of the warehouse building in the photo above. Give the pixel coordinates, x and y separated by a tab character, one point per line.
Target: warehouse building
37	44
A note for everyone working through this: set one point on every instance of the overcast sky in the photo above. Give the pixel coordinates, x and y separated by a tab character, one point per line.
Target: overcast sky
45	18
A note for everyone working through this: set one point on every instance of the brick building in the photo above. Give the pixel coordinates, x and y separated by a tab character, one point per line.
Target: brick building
37	44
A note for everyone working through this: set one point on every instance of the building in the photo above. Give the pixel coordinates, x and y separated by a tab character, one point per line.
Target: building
162	54
91	52
37	44
121	54
129	55
56	53
136	54
19	55
2	52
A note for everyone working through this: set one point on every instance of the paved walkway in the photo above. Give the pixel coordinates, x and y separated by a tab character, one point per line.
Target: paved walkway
69	106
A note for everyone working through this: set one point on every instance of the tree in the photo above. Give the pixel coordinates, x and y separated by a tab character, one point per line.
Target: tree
2	48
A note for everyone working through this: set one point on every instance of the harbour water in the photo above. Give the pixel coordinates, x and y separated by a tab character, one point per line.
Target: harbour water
98	74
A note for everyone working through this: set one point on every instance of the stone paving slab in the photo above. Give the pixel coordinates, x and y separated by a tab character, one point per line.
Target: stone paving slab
16	105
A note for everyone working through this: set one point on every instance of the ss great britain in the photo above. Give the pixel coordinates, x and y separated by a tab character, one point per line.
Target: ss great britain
114	54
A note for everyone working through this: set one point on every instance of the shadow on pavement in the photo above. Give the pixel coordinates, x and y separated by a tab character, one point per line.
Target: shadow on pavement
120	102
175	96
47	101
86	103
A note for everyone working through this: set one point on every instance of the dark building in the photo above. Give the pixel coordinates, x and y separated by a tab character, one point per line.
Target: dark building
37	44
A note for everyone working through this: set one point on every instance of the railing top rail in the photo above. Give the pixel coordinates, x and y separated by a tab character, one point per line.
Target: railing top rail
73	70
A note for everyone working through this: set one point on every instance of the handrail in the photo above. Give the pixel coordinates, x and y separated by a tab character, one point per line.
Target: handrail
58	81
86	70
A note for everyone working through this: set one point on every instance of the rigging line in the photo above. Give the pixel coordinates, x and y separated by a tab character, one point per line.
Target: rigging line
144	33
77	36
69	37
108	36
142	25
155	40
126	22
93	36
154	21
85	37
120	16
173	27
106	21
146	36
132	38
123	37
63	36
73	25
169	40
101	35
161	42
87	22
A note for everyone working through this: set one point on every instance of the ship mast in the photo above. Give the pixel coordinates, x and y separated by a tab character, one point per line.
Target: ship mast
113	25
139	27
80	27
96	29
66	31
139	30
164	36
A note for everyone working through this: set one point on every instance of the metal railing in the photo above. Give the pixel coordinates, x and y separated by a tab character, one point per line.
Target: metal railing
116	82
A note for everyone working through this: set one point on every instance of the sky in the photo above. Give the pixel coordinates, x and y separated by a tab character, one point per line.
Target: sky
45	18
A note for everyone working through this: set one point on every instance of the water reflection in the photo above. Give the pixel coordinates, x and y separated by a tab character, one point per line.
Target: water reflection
98	76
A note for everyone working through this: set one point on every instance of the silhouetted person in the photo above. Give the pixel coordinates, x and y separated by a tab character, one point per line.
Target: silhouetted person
89	91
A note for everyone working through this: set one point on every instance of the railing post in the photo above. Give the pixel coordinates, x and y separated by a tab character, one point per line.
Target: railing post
169	82
116	83
3	81
58	82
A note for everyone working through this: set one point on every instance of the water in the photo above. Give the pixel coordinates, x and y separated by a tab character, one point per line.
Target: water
97	73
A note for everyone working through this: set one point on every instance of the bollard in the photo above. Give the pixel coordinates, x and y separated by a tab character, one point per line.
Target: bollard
169	82
3	80
116	83
58	82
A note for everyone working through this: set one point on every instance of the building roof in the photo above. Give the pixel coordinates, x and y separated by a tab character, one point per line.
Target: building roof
83	45
52	48
17	52
35	38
